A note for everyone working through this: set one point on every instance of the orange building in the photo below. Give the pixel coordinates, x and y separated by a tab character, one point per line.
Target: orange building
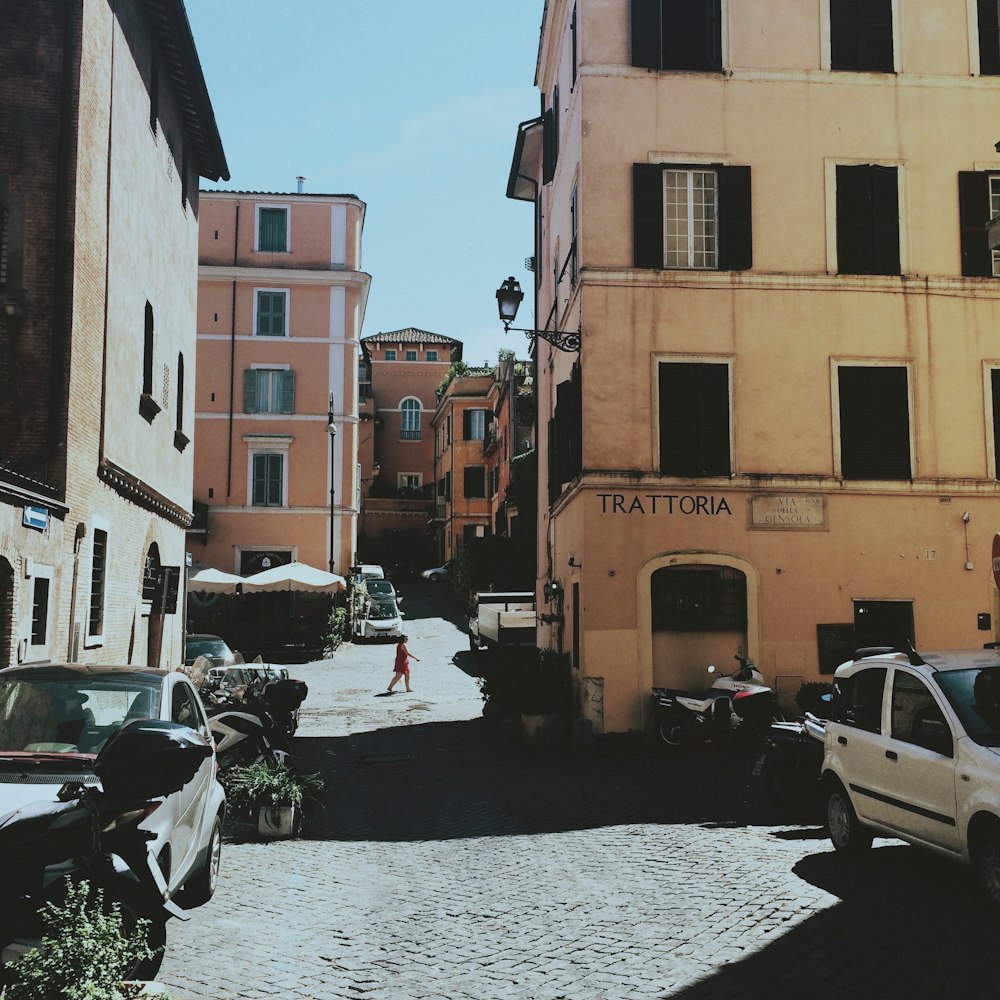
280	305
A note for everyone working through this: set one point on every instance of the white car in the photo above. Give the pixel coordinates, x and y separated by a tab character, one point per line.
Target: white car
55	718
436	573
912	750
380	620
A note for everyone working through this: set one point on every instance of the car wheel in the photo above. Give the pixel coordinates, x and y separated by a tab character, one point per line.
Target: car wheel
134	906
200	887
791	783
434	577
986	860
847	834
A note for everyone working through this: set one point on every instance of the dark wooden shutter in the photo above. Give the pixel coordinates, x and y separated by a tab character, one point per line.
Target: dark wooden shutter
287	391
467	425
647	214
549	125
974	214
735	219
995	386
874	423
989	37
867	220
475	481
249	390
646	33
861	35
885	220
694	419
691	35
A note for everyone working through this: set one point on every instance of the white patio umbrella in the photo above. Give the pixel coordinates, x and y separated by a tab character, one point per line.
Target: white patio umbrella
205	579
295	576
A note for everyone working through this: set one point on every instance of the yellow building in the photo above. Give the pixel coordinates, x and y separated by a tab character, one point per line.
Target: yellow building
767	222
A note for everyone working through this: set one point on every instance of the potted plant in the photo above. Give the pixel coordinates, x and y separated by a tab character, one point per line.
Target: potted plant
270	795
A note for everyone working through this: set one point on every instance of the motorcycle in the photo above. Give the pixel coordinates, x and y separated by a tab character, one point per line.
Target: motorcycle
755	702
681	719
791	766
252	723
92	832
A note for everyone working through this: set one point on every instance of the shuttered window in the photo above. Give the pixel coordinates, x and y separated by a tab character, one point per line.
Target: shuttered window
473	425
692	216
272	308
272	230
989	37
677	34
565	432
978	202
874	422
694	419
475	481
268	390
867	220
995	386
861	36
98	575
268	480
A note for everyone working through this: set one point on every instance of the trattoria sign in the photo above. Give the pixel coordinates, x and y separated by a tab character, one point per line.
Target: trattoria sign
687	504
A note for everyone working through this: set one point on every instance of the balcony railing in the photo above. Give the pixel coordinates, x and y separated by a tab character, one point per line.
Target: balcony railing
407	435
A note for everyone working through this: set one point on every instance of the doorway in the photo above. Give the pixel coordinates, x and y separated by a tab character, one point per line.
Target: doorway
6	613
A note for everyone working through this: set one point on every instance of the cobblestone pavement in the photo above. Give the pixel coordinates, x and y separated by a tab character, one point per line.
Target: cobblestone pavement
449	863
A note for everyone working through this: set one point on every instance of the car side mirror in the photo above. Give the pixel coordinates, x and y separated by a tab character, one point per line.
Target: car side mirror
148	758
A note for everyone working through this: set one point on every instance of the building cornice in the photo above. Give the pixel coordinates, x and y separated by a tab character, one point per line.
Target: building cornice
285	275
142	494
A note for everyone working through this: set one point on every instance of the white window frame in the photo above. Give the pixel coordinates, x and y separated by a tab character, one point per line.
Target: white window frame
409	480
260	367
268	445
994	189
42	651
288	228
692	236
990	366
472	420
288	312
404	410
390	354
98	523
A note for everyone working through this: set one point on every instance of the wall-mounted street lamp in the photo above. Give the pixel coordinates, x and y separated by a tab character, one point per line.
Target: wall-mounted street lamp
509	297
331	429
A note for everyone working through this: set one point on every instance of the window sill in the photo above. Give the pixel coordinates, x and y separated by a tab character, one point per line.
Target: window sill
181	440
148	407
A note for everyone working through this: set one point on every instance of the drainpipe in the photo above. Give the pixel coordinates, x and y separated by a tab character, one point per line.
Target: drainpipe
232	358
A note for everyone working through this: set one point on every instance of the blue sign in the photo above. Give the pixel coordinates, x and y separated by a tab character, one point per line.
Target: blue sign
36	517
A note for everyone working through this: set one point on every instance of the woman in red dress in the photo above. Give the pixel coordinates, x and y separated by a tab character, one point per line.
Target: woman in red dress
402	665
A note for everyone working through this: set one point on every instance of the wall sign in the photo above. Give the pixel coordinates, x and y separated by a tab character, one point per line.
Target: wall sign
664	504
787	511
35	517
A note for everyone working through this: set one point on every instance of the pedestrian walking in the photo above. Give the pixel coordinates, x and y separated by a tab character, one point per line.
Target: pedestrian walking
402	665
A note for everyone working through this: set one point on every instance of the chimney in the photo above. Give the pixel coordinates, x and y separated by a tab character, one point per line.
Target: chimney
301	184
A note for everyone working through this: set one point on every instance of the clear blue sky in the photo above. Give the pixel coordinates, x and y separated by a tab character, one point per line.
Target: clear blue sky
413	107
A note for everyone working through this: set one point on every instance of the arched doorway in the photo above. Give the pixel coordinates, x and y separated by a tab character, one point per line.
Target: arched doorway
6	613
152	574
696	609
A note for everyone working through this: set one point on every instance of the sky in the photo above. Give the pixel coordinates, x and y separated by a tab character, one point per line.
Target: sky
412	106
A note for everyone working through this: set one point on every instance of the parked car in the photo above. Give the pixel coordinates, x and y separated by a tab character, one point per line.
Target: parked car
381	590
212	646
54	720
436	573
368	571
379	620
912	750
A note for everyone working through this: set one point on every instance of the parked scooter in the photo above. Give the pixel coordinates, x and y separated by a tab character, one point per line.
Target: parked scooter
681	719
93	833
755	702
791	766
251	724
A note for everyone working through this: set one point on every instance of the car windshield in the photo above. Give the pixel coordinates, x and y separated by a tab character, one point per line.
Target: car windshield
382	611
205	647
64	711
975	696
380	587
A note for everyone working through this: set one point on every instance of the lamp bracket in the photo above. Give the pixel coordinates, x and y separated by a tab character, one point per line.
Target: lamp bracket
568	340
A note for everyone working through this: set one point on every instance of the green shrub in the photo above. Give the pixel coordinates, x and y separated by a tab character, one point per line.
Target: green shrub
337	630
810	698
268	784
84	954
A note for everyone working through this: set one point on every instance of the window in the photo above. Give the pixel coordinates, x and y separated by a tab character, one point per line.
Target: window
409	480
475	481
916	716
410	356
861	35
147	352
272	229
573	49
698	599
874	422
268	480
677	34
4	244
390	354
857	700
692	216
995	386
268	390
364	381
271	313
40	611
867	220
184	707
565	434
409	412
978	202
989	37
572	225
432	355
550	138
98	582
181	440
694	419
473	425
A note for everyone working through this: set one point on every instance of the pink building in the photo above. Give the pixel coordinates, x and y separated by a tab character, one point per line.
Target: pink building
281	301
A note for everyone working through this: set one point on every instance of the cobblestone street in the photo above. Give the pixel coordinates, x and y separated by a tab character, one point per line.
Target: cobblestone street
448	863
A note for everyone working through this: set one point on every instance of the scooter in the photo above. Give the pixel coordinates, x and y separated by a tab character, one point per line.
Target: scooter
791	766
245	728
682	719
92	832
755	702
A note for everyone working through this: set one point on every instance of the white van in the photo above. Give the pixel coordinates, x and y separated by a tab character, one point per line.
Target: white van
368	571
